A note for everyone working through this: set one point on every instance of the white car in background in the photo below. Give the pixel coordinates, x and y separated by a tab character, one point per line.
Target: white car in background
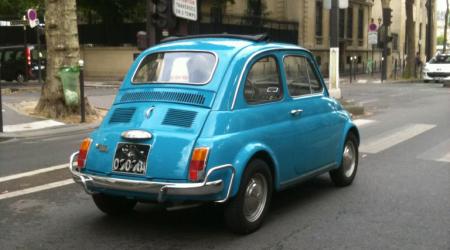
437	69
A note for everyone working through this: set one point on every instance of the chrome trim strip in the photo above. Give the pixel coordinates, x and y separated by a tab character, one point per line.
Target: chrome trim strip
308	175
162	189
171	51
246	65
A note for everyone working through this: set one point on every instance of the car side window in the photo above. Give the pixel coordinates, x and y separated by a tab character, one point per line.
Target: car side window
300	76
263	82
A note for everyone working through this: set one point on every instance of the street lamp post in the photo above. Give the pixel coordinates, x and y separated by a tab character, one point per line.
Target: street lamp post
82	105
1	108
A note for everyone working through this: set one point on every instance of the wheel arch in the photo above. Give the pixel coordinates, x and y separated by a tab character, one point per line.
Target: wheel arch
350	128
246	155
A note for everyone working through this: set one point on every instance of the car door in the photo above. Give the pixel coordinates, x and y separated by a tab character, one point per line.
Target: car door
313	115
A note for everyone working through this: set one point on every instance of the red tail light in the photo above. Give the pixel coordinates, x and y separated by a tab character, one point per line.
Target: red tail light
84	148
28	55
198	164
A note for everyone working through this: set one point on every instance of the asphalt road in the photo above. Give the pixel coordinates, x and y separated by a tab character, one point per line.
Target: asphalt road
400	198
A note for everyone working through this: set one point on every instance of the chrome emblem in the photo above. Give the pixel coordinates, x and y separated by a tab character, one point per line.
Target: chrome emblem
149	112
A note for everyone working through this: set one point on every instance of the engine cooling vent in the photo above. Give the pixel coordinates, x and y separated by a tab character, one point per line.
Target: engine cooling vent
122	115
180	97
180	118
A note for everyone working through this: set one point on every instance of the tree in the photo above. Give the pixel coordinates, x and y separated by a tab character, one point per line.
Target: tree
114	11
445	27
410	40
440	40
63	49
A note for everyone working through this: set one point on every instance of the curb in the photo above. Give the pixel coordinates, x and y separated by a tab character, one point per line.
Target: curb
48	131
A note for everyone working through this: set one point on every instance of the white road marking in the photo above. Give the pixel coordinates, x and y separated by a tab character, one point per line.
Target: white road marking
31	126
36	189
440	152
392	138
362	122
31	173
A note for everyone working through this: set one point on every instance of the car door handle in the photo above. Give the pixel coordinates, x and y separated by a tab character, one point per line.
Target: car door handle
296	112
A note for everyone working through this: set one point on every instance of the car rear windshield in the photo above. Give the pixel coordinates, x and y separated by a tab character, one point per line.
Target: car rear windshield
440	59
176	67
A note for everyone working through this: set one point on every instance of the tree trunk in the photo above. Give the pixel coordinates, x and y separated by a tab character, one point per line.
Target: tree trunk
61	33
410	38
445	28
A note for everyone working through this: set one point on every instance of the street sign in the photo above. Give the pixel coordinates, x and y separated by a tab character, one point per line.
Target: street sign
373	27
32	18
186	9
373	37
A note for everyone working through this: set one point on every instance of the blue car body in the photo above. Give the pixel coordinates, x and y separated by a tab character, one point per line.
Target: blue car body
216	115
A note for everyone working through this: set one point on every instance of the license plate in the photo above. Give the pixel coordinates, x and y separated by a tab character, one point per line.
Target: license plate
131	158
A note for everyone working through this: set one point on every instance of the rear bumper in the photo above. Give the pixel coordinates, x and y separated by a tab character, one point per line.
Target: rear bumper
91	183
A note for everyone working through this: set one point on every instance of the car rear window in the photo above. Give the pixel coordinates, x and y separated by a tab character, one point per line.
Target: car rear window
176	67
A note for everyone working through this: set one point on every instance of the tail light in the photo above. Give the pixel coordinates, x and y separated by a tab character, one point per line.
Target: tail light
82	153
198	164
28	55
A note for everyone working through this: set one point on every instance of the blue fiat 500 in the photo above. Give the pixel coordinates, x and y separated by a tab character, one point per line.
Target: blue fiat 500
217	118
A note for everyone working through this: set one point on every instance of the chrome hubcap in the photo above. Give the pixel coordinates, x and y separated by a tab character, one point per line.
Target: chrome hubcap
349	159
255	197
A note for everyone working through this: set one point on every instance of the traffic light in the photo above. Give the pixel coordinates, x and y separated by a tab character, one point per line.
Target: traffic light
387	16
163	16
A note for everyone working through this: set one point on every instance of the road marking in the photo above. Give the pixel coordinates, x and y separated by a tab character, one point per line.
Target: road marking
36	189
392	138
362	122
31	173
441	152
31	126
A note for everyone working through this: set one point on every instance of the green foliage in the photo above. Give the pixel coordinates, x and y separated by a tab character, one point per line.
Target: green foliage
440	40
15	9
114	11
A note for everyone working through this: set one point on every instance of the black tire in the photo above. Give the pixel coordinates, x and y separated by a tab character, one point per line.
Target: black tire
426	81
344	175
113	205
235	216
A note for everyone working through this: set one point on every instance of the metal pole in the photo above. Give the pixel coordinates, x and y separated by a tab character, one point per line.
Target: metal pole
38	38
25	49
82	105
150	28
1	108
334	29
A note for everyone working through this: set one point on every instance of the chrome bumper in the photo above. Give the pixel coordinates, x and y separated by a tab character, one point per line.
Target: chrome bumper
161	189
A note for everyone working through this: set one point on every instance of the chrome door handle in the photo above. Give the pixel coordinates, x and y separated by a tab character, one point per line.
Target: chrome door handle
296	112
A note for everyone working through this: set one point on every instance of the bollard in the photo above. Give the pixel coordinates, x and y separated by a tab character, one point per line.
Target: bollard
82	105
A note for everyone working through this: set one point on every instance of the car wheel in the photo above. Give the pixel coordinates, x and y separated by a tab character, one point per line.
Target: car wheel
20	78
113	205
245	213
344	175
426	81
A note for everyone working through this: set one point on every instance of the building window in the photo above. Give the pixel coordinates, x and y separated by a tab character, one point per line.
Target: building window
360	26
319	17
394	41
350	23
341	23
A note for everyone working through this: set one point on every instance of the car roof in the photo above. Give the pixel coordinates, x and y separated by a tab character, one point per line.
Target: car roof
229	44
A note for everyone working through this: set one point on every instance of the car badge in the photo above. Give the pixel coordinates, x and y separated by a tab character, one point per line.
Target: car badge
101	147
149	112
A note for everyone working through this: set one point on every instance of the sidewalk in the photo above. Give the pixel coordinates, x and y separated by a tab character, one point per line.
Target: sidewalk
19	125
373	79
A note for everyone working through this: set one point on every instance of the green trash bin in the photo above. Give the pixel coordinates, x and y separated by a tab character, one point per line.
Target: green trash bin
70	78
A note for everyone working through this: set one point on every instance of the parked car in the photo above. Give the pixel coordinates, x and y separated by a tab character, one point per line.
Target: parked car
20	64
437	69
217	118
